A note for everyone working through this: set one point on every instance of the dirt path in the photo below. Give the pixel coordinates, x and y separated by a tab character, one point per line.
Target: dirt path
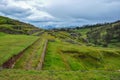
30	62
41	62
31	57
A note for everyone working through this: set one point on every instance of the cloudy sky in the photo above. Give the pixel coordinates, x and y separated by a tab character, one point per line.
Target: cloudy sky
61	13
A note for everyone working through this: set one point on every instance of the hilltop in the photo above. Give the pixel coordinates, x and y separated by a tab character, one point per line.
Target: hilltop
12	26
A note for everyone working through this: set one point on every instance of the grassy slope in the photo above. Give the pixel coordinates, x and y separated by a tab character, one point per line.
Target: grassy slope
103	31
60	56
99	34
12	44
12	26
31	56
64	60
83	31
53	60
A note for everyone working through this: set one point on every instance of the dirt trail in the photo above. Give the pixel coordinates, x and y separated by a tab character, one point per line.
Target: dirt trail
41	63
10	63
31	57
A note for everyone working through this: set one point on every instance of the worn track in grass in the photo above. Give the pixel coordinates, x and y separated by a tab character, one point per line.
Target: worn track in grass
31	56
40	65
10	62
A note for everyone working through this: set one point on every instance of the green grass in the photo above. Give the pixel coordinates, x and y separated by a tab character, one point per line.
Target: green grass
11	26
58	75
83	32
74	64
12	44
53	60
95	58
74	57
63	60
34	34
31	56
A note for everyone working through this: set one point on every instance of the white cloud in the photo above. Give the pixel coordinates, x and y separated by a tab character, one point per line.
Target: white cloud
19	8
61	12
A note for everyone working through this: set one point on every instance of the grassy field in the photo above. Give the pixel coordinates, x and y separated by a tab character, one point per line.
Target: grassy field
53	60
58	75
70	54
59	56
82	32
12	44
31	56
63	60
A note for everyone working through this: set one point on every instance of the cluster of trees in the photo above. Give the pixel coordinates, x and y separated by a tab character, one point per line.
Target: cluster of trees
99	34
104	35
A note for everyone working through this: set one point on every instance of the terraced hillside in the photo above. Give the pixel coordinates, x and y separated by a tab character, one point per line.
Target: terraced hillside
31	57
105	35
11	45
58	55
108	35
63	61
11	26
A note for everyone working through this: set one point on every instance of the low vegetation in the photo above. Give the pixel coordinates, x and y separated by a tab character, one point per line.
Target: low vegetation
12	26
87	53
58	75
60	56
12	44
31	57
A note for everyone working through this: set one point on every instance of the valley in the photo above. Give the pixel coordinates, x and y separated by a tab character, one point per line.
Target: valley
57	54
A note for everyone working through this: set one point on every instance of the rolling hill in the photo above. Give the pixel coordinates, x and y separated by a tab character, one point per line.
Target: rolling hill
82	53
11	26
104	35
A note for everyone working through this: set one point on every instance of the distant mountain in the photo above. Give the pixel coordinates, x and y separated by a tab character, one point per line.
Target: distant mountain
58	26
11	26
49	26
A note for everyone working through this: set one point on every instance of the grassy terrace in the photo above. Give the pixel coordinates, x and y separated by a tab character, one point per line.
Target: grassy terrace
60	56
63	61
12	44
31	57
53	60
